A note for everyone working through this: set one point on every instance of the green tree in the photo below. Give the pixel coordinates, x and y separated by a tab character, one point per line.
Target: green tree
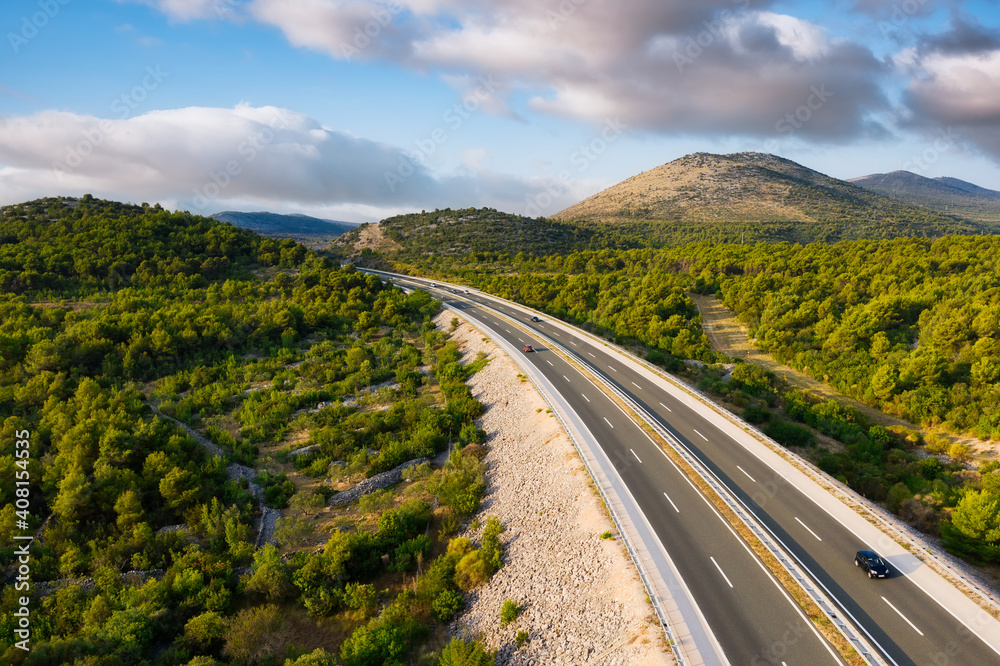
459	652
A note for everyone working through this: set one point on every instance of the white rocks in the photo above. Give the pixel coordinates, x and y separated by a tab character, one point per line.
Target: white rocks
581	596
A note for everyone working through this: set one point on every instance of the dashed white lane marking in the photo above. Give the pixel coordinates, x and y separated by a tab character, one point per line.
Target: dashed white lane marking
807	528
585	397
722	572
747	473
636	456
665	407
903	616
700	435
607	421
671	503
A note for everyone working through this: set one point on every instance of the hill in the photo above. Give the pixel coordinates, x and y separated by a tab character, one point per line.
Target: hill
946	195
456	233
755	197
296	226
191	398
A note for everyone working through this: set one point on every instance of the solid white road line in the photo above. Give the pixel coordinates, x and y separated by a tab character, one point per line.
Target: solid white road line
903	616
747	473
700	435
671	503
585	397
634	453
807	528
607	421
665	407
721	571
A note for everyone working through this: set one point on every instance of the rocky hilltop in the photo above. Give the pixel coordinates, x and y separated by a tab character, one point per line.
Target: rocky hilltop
763	196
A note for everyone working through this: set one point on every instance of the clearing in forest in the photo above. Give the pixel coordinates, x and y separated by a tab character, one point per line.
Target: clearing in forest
730	337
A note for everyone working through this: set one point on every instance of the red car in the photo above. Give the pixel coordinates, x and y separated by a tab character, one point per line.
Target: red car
528	348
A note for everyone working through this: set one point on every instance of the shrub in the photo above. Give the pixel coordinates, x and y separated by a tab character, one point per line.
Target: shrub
293	531
447	604
789	434
509	611
466	653
960	452
491	546
378	500
472	570
607	535
756	415
521	638
409	553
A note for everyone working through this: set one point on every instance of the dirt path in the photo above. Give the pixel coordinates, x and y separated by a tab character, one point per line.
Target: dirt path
730	337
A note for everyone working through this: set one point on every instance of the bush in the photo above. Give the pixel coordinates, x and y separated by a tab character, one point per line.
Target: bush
447	604
293	531
491	546
378	500
789	434
472	570
409	553
756	415
521	638
509	611
466	653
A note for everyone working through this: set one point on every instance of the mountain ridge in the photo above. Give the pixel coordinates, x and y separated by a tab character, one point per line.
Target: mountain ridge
293	225
945	194
760	196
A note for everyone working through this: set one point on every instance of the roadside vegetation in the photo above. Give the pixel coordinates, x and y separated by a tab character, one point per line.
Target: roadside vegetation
909	326
122	326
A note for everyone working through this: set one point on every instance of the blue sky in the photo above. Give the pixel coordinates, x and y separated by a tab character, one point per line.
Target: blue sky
357	110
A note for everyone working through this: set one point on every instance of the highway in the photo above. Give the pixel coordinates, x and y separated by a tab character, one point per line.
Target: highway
752	619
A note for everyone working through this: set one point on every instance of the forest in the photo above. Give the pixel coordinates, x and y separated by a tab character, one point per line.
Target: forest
910	326
146	356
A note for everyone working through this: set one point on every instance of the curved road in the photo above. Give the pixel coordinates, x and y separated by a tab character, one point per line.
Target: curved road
753	620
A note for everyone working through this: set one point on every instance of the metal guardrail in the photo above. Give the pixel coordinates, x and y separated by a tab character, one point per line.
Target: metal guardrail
742	512
584	455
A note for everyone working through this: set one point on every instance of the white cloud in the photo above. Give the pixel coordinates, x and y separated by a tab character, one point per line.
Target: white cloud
713	67
209	159
960	88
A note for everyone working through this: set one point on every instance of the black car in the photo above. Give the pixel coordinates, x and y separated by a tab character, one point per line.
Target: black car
535	319
872	564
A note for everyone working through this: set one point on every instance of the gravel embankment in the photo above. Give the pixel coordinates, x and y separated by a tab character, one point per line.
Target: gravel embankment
582	599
